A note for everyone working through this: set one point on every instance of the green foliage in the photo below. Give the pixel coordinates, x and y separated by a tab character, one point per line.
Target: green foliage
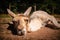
4	16
51	6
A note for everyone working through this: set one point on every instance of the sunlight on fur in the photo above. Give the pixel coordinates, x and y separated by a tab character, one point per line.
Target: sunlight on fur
35	24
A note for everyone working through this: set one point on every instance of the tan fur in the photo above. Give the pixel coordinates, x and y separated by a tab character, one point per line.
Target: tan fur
34	22
20	20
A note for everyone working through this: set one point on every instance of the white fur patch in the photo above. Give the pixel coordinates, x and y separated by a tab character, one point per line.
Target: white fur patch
35	24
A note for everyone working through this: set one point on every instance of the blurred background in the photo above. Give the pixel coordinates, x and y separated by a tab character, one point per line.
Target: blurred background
50	6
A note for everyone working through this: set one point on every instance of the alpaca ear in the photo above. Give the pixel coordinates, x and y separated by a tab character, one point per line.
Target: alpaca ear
27	12
11	13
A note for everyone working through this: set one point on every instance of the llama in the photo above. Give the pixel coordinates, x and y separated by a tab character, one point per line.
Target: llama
38	19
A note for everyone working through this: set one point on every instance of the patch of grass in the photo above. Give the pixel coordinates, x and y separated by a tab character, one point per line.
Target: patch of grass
57	16
5	20
7	16
4	16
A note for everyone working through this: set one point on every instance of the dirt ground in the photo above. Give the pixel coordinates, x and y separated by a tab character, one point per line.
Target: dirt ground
44	33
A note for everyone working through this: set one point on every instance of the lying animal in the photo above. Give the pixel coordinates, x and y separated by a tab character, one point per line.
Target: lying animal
25	23
40	19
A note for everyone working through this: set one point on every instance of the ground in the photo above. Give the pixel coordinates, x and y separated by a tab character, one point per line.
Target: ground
44	33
